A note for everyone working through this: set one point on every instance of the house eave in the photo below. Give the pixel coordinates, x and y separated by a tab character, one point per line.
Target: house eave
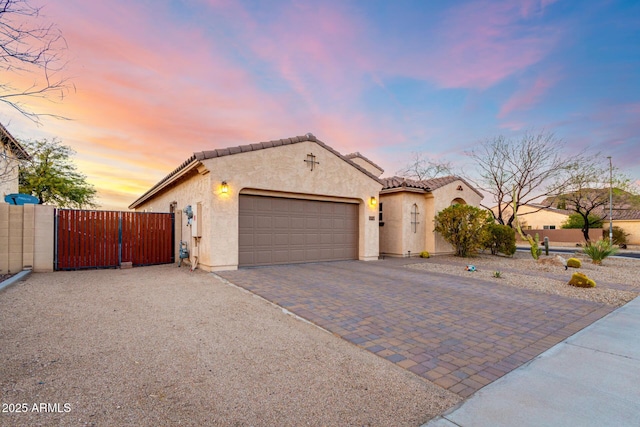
193	165
403	189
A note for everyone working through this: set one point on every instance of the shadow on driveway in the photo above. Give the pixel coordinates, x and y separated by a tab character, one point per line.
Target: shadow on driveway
461	334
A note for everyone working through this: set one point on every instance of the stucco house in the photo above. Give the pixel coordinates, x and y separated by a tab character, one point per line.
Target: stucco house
542	217
295	200
11	153
408	208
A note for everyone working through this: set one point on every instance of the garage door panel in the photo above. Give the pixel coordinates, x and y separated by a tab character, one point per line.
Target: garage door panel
326	239
281	222
279	230
263	240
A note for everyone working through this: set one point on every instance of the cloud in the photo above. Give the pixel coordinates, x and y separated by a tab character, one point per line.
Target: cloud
527	97
481	43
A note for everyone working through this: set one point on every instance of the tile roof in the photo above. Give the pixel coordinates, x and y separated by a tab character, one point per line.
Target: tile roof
210	154
15	146
549	208
625	214
400	182
426	184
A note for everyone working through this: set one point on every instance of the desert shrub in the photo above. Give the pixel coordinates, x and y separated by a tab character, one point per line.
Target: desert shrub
581	281
599	250
500	239
424	254
574	263
619	235
464	227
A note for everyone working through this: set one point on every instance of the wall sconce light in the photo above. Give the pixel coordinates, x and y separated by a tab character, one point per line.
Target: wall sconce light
225	187
373	201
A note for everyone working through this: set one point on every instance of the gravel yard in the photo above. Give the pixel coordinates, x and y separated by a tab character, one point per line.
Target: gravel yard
163	346
617	279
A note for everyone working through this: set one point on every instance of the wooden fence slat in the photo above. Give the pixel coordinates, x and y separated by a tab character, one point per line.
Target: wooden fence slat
90	239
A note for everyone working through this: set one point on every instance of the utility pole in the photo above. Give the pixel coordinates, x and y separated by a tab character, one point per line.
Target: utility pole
610	201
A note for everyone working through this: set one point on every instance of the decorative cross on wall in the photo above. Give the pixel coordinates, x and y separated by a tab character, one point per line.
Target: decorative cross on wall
311	161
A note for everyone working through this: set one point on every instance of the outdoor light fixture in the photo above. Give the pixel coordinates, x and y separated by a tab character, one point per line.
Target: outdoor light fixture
225	187
373	201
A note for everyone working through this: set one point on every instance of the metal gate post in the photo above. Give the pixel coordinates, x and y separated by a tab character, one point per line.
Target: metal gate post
55	239
119	239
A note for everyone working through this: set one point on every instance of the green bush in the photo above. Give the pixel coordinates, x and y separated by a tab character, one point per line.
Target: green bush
599	250
619	235
424	254
574	263
464	227
581	281
500	239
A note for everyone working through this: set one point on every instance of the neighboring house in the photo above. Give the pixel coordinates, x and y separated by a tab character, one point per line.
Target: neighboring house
537	216
11	153
540	217
297	200
408	209
629	221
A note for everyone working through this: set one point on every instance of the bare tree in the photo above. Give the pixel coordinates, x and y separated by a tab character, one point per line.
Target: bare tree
422	167
587	191
518	171
30	50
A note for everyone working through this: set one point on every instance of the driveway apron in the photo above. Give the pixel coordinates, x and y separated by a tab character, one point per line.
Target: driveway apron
459	333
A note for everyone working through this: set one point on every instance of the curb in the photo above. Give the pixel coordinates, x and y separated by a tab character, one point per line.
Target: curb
15	278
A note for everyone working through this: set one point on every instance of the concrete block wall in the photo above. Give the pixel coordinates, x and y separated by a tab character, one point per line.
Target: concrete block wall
26	238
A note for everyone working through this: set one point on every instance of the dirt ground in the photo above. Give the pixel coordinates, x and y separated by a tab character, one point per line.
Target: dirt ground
161	345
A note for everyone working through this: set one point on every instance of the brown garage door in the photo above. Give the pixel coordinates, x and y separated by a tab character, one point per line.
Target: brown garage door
276	230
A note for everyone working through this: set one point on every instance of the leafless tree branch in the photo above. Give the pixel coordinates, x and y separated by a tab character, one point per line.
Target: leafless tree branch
30	50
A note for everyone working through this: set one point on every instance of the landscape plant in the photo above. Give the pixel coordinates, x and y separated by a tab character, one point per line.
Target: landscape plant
464	227
619	235
599	250
500	239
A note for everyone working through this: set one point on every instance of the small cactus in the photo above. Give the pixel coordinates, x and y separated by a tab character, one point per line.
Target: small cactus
574	263
424	254
581	281
497	274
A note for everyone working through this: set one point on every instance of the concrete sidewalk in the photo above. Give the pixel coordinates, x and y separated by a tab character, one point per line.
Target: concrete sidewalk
590	379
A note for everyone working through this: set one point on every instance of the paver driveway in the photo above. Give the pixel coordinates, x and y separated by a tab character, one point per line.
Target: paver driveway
459	333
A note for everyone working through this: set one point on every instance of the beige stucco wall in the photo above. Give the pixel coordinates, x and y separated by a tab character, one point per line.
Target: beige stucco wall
536	218
397	237
444	197
26	238
367	166
630	226
279	171
8	174
194	188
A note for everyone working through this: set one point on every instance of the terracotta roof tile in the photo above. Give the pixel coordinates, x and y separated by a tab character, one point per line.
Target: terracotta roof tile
625	214
425	184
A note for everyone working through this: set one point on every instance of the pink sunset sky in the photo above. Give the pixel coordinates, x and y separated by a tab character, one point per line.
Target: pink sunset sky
157	81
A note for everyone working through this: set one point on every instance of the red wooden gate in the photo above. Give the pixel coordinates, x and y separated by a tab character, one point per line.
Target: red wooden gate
104	239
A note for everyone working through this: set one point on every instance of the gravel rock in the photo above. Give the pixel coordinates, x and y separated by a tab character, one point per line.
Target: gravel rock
162	345
617	279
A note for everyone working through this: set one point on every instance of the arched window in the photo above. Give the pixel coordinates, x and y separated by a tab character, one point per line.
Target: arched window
458	201
414	218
